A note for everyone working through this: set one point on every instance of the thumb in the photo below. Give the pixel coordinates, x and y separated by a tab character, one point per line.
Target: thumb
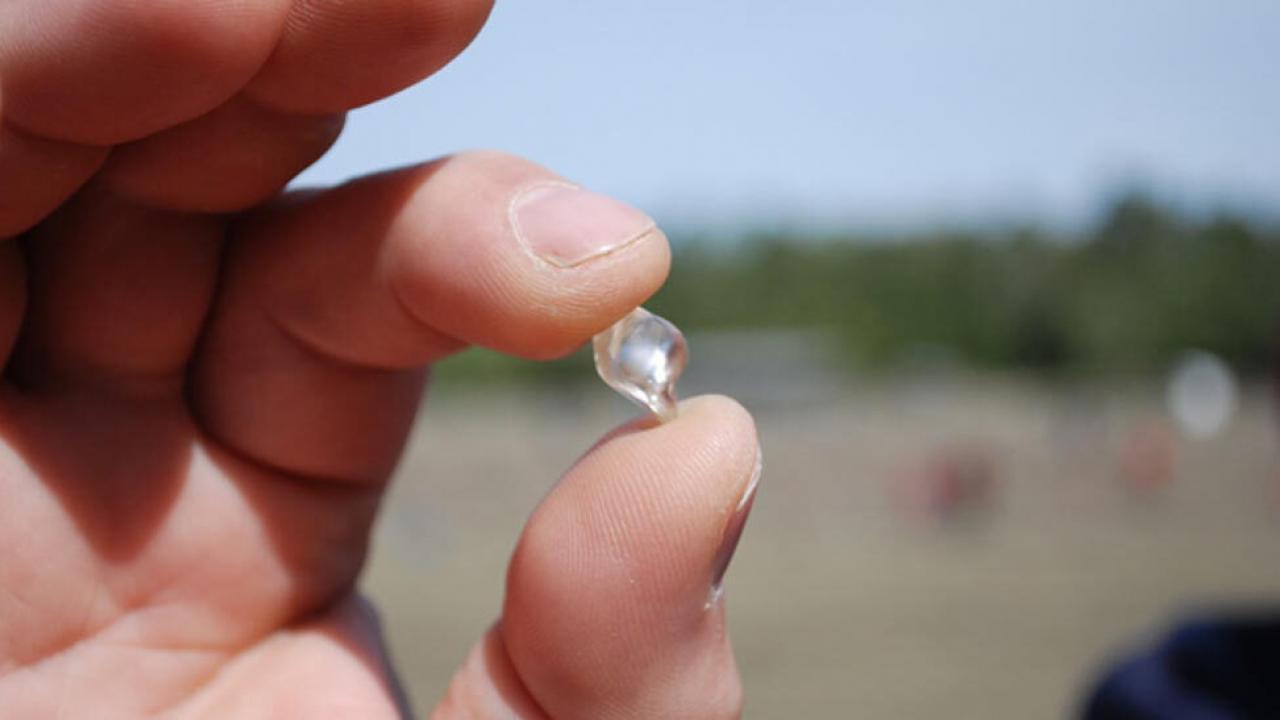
614	607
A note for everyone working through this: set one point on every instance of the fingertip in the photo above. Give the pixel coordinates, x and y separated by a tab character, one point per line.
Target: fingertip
723	415
396	43
716	437
232	158
466	265
660	493
37	175
103	73
621	559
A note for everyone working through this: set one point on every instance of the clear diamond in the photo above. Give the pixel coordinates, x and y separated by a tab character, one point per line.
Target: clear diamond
641	356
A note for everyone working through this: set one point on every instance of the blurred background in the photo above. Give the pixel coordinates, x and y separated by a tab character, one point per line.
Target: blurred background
999	280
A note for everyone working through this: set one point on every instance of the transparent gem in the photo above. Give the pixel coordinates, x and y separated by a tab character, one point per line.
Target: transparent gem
641	356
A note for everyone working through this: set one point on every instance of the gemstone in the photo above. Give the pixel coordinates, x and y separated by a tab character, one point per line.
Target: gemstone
641	356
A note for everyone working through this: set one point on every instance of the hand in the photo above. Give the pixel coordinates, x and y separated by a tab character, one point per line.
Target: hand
207	386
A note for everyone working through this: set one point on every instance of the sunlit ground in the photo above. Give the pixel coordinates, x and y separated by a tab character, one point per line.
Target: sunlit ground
942	546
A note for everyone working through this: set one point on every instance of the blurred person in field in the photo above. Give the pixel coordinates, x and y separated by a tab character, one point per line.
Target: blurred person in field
1148	458
956	486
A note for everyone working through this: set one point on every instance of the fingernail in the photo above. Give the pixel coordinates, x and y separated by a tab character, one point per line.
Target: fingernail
567	226
733	531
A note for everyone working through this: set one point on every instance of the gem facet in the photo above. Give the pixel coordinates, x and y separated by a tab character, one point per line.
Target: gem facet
641	356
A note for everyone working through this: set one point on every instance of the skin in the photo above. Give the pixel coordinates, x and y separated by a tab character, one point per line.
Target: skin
207	384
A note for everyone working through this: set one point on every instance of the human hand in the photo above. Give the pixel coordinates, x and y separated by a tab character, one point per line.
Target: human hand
207	386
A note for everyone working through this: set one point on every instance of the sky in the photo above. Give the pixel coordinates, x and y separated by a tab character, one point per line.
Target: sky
858	113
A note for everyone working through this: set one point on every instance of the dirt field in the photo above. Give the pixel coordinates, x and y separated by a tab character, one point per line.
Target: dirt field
842	604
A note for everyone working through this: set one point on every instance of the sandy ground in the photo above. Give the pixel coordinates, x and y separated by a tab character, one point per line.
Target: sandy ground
842	604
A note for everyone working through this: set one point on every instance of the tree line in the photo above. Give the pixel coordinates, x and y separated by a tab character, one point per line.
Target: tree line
1144	284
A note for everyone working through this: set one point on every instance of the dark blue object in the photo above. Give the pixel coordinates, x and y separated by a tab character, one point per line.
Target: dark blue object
1217	668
